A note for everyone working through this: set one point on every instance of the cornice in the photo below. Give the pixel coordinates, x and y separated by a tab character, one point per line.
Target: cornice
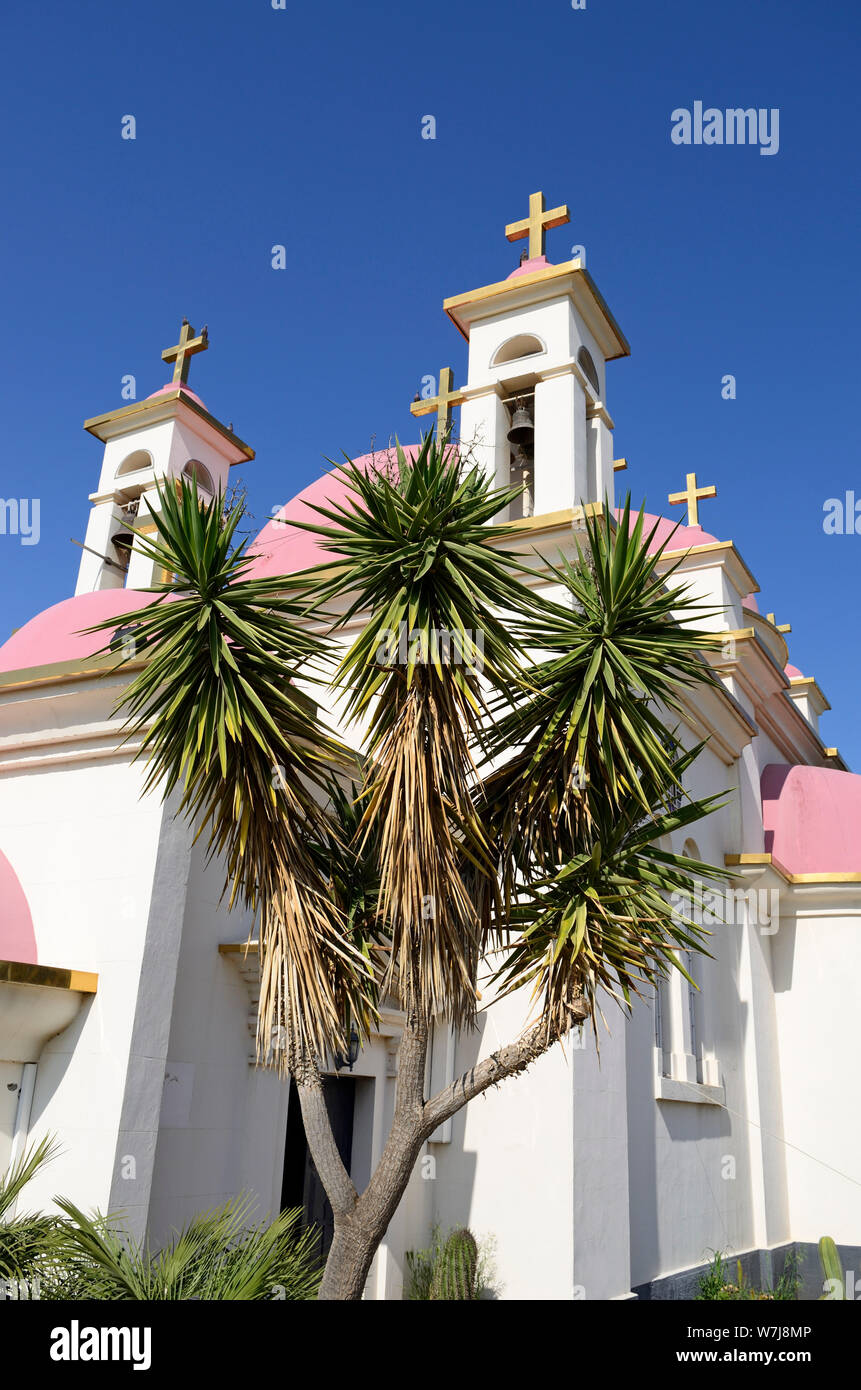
570	277
61	672
739	573
765	686
154	409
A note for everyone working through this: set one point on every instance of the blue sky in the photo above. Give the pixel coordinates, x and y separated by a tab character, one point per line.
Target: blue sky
303	127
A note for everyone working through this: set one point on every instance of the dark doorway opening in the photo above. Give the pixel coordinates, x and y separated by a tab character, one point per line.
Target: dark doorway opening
301	1187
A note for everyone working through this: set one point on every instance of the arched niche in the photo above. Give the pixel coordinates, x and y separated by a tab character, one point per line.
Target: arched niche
135	462
521	345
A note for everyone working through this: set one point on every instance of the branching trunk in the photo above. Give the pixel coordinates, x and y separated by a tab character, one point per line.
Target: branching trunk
321	1141
361	1221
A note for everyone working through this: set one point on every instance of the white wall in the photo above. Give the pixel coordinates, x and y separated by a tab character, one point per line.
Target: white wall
508	1172
92	857
223	1121
816	1001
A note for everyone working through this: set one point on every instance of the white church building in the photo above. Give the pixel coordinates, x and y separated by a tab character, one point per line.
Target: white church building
720	1119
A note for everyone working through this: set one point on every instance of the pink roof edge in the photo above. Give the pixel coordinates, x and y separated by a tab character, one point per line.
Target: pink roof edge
55	633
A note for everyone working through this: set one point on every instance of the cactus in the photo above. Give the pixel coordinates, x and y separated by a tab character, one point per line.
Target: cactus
456	1273
832	1269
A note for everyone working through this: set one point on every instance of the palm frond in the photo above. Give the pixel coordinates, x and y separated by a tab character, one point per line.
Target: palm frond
586	776
590	720
26	1239
610	918
221	1254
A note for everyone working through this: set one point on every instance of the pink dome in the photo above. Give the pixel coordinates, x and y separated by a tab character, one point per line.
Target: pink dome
812	818
285	549
171	386
793	673
17	938
537	263
55	634
670	533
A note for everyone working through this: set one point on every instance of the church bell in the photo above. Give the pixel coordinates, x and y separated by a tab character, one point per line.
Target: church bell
123	543
522	429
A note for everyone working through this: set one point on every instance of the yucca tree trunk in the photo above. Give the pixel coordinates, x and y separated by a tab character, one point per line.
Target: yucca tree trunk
361	1221
359	1235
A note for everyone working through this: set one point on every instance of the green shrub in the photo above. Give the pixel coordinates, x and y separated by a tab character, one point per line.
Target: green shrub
220	1255
717	1286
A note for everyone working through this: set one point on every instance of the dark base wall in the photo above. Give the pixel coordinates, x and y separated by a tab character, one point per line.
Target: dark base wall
762	1269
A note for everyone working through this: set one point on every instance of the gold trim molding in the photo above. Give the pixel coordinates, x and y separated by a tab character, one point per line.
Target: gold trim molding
17	972
768	861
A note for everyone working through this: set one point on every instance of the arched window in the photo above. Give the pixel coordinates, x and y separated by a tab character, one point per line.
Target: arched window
521	345
588	368
133	463
195	469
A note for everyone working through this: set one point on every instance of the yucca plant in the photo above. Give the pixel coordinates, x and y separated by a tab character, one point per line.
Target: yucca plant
506	806
413	554
218	711
592	787
591	719
606	919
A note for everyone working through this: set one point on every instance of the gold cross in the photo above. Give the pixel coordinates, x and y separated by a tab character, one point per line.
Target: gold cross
442	403
693	495
185	349
781	627
535	225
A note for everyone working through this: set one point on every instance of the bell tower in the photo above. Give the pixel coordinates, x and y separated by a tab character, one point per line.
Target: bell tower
170	434
533	409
